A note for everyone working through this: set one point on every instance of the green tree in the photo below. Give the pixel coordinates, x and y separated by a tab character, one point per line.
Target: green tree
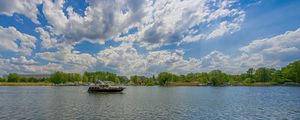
292	71
234	79
250	73
165	77
85	78
202	77
2	79
263	75
58	77
136	80
249	80
32	80
13	77
217	78
149	81
23	79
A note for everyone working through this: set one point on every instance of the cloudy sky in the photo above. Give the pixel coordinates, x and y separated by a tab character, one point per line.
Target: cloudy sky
136	37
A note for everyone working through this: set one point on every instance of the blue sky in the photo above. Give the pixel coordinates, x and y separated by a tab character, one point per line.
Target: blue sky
147	37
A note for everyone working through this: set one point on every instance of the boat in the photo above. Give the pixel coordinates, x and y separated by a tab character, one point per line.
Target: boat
104	87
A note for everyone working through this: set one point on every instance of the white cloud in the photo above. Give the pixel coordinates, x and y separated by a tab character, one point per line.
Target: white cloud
47	40
9	37
26	7
275	50
21	65
175	62
70	59
124	59
159	22
102	20
223	28
54	14
22	60
176	21
48	68
127	61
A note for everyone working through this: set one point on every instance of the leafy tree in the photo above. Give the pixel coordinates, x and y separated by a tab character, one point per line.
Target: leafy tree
165	77
217	78
292	71
263	75
202	77
250	73
23	79
32	80
234	79
85	78
58	77
249	80
2	79
136	80
149	81
13	77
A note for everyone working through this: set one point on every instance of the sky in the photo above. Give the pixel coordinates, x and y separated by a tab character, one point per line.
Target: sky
145	37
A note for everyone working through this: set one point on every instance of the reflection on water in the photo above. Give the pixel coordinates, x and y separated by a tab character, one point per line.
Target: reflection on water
151	103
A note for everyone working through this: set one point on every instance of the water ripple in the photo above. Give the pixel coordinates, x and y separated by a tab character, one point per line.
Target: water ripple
144	103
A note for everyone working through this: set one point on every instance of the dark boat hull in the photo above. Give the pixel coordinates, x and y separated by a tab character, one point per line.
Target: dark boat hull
96	89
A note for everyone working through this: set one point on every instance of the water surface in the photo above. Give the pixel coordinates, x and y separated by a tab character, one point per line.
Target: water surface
234	103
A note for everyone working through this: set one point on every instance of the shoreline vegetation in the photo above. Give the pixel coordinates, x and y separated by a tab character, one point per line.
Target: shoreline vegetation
25	84
286	76
173	84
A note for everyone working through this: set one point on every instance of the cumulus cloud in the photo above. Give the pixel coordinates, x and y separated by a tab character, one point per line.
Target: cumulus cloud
47	40
25	7
127	61
72	60
268	52
215	60
177	21
22	60
175	62
275	51
101	21
124	59
158	22
13	40
23	65
48	68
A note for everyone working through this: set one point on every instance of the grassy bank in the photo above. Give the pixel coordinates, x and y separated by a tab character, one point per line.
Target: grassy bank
199	84
258	84
183	84
25	84
168	84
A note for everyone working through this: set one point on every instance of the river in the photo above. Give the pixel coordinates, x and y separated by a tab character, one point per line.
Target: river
150	103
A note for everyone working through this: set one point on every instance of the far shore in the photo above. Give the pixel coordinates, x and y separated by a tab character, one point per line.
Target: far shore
25	84
171	84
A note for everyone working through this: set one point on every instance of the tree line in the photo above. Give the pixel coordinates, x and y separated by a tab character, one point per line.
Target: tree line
62	77
287	74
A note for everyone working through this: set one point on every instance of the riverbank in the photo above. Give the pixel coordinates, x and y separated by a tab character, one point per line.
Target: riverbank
184	84
255	84
200	84
168	84
258	84
25	84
